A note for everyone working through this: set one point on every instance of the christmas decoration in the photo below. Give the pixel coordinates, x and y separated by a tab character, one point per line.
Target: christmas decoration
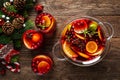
2	68
41	64
13	23
39	8
19	4
7	54
45	22
18	22
32	39
11	66
7	28
1	21
6	4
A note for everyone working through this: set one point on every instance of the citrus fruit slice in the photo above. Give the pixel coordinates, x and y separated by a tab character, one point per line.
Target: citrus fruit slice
99	33
79	36
67	50
68	27
43	67
47	21
32	39
98	52
36	37
83	55
91	46
93	26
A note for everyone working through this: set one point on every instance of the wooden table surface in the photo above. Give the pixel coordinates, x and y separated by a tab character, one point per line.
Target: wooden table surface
63	10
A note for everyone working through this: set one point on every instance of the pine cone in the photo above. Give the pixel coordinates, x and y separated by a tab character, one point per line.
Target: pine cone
7	28
19	4
18	22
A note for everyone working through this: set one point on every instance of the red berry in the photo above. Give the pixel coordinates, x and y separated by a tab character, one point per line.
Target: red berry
1	21
38	8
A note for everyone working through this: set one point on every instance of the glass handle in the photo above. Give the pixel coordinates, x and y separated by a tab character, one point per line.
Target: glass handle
56	50
110	30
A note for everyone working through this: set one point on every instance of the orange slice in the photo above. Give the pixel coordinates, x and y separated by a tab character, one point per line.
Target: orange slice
91	47
79	36
65	29
98	52
43	58
51	26
67	50
36	37
83	55
43	67
47	21
99	33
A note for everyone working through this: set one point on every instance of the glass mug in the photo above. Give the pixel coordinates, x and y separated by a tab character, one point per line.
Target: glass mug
84	41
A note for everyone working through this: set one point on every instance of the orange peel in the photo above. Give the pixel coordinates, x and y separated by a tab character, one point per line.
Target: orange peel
67	50
79	36
99	33
98	52
65	29
47	21
83	55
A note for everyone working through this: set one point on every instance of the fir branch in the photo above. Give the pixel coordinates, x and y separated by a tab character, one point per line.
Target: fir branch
1	3
29	25
1	30
1	13
4	39
29	1
25	14
11	8
17	44
29	6
16	34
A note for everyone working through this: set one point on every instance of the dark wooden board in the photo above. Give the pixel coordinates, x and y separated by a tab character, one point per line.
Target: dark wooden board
64	10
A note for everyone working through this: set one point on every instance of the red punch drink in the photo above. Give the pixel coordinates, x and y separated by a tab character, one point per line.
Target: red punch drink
41	64
82	40
32	39
45	23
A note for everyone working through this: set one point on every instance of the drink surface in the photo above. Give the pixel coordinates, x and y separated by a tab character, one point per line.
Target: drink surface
82	40
41	64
